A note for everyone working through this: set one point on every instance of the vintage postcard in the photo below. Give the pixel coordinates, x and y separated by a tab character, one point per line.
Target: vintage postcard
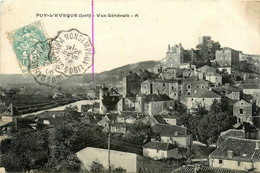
130	86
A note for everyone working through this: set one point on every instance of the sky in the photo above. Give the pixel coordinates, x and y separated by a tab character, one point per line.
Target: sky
122	41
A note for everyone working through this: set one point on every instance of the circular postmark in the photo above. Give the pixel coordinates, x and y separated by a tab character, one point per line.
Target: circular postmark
68	54
73	52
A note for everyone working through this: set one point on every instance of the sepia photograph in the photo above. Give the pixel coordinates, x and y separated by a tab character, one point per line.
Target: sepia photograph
139	86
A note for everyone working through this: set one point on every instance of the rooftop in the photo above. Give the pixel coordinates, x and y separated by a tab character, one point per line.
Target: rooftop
169	130
159	145
193	168
243	149
205	94
157	97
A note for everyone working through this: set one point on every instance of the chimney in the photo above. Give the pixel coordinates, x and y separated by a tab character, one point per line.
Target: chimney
256	146
230	154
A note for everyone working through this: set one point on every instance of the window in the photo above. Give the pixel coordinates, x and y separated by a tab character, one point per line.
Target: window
188	86
192	99
188	93
203	99
220	161
163	84
241	111
175	94
172	87
238	163
202	87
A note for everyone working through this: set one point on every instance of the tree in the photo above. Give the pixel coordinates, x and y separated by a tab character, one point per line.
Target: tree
96	167
71	113
206	52
26	150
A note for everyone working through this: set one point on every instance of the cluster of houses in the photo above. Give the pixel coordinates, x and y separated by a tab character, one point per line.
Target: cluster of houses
153	100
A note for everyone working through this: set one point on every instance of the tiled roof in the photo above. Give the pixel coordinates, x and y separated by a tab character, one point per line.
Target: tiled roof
166	80
159	119
126	114
256	156
159	145
251	84
47	114
205	94
204	169
242	102
243	149
233	133
211	73
132	99
157	97
117	125
225	89
169	130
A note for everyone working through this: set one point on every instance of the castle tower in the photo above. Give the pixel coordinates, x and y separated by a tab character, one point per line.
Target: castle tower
102	93
174	56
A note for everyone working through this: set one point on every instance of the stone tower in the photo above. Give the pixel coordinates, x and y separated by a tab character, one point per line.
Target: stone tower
103	91
174	56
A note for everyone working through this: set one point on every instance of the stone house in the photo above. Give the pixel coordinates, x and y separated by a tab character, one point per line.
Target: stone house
237	154
131	84
243	111
169	87
174	134
205	98
190	86
226	59
160	150
118	128
130	161
153	104
228	91
126	104
214	78
174	56
127	117
170	73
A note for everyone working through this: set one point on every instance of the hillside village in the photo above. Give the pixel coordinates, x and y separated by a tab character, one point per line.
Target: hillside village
196	111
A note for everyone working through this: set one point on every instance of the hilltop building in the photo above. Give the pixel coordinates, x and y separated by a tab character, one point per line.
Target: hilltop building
227	59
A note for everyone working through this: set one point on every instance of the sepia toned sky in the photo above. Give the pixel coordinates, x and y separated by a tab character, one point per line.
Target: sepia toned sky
120	41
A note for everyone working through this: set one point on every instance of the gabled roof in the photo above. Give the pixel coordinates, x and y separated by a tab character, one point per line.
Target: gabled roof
159	146
205	94
193	169
243	149
159	119
166	80
233	133
157	97
126	114
169	130
225	89
251	84
243	103
132	99
212	74
47	114
118	125
238	133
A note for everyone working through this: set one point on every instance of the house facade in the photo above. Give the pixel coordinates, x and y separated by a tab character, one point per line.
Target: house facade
174	134
160	150
204	98
243	111
237	154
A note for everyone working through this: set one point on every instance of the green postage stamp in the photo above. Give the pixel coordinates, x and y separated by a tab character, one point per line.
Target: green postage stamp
31	46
